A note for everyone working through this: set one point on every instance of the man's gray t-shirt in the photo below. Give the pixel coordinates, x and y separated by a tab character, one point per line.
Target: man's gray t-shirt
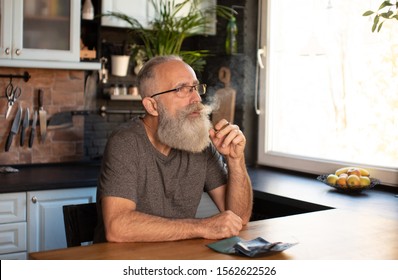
167	186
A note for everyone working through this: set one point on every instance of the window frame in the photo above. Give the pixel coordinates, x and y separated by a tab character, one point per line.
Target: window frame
265	157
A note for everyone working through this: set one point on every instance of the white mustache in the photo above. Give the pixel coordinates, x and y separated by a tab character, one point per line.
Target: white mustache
198	107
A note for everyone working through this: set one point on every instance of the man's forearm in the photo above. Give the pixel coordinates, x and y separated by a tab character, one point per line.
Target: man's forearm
239	193
135	226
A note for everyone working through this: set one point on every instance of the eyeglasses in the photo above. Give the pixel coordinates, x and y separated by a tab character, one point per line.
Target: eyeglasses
185	91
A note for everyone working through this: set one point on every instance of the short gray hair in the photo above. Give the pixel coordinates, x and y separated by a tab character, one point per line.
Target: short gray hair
146	76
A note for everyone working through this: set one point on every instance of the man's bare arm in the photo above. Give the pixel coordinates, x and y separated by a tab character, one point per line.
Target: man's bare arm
230	142
124	224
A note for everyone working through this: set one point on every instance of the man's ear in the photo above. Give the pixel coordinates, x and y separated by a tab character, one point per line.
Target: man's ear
150	106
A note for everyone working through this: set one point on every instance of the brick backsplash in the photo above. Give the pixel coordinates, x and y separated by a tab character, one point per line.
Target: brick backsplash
63	91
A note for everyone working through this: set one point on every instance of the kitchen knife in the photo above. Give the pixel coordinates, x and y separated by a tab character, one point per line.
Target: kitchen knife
25	124
14	128
64	119
42	117
33	130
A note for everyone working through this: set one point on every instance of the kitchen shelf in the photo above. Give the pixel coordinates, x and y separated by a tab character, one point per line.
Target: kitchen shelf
125	97
16	63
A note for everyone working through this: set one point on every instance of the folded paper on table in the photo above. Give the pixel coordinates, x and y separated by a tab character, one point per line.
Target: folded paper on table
250	248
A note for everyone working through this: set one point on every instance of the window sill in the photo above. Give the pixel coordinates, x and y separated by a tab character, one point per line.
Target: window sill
303	187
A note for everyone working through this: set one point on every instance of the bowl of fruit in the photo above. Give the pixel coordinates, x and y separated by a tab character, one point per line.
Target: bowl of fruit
349	179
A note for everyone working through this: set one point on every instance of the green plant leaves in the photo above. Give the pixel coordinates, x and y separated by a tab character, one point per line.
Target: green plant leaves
386	11
368	13
385	4
170	29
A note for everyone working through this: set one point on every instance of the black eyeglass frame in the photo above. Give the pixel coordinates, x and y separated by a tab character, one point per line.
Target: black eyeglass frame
179	88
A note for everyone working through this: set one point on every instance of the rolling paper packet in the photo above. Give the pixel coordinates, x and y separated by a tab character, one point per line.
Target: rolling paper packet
250	248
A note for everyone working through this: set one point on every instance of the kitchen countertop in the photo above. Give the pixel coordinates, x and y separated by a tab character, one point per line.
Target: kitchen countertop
50	176
296	187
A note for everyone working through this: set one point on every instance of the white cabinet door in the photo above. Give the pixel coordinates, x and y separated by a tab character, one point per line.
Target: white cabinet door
12	207
40	30
15	256
5	29
143	11
137	9
46	230
51	32
12	225
12	238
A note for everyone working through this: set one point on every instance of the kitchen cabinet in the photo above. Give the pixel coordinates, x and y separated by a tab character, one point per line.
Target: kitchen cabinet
138	9
143	11
41	34
46	230
40	30
13	226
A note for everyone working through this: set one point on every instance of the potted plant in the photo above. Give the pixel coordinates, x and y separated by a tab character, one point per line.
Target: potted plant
170	28
386	11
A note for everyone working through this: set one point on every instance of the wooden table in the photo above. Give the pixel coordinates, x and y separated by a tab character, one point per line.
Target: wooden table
329	235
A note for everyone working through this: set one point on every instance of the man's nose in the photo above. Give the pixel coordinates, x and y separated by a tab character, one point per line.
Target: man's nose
195	97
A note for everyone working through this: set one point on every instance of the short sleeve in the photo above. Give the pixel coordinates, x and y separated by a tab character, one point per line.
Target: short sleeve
118	175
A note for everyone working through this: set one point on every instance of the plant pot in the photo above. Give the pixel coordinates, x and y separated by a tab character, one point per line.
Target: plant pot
120	65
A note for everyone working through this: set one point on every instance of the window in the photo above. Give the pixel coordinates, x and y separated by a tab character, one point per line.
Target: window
328	92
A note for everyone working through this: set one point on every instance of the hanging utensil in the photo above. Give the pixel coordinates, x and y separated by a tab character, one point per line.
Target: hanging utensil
224	98
63	120
42	117
90	90
33	130
103	73
11	94
25	124
14	129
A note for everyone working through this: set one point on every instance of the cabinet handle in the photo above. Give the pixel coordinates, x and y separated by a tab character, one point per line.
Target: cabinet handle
17	51
34	199
7	51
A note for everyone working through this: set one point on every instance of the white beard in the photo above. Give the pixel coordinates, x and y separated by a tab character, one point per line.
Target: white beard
182	132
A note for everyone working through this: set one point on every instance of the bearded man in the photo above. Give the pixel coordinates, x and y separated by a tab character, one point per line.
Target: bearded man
156	167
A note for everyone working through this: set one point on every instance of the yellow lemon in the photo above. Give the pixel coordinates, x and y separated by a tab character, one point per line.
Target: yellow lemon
365	181
332	179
